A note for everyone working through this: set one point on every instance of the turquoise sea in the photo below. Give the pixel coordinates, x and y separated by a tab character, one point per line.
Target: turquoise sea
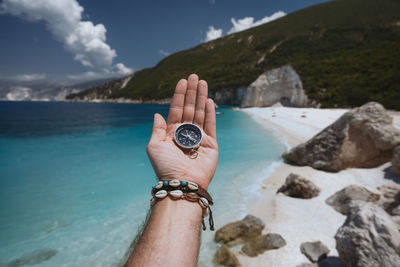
75	179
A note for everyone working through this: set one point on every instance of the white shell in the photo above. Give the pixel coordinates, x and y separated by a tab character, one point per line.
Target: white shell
161	194
159	185
176	193
153	201
192	186
203	202
205	212
175	183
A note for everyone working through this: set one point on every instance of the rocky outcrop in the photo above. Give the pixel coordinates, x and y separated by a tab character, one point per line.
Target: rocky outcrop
228	96
395	168
225	257
281	85
102	92
240	231
361	138
368	237
341	200
262	243
299	187
278	85
314	251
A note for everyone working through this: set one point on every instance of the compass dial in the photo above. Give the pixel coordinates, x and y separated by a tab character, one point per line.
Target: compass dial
188	135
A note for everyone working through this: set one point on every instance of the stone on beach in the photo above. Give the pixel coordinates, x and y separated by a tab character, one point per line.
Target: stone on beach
225	257
240	231
368	237
299	187
340	201
262	243
395	168
314	251
363	137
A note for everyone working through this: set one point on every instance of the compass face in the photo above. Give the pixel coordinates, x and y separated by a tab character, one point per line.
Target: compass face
188	135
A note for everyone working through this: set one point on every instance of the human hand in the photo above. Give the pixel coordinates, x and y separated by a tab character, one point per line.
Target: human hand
189	105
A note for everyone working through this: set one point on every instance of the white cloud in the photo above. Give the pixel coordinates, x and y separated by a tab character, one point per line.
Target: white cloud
164	53
63	18
241	25
122	69
213	34
248	22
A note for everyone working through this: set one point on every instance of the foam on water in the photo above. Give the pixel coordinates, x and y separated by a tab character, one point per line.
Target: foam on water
75	178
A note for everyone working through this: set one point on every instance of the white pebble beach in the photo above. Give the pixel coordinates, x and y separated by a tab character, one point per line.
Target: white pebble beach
303	220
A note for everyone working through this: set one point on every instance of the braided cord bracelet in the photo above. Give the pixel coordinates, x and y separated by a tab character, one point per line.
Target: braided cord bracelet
191	191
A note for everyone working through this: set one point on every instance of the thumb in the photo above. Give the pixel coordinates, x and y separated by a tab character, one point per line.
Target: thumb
159	131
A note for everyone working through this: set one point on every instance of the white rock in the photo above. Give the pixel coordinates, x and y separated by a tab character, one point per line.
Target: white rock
192	186
368	238
175	183
203	202
176	193
161	194
159	185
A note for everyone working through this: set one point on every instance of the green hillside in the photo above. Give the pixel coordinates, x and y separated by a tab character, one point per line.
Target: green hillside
347	52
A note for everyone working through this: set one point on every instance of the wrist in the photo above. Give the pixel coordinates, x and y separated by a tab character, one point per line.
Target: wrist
184	190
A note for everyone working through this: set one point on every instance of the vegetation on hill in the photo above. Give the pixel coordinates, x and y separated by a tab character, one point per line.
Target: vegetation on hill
347	52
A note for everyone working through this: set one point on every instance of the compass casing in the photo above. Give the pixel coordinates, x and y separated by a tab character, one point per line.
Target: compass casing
195	133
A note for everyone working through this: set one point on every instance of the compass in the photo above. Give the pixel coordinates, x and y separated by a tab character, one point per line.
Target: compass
188	136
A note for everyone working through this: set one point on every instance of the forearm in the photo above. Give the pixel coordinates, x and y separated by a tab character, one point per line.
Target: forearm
171	237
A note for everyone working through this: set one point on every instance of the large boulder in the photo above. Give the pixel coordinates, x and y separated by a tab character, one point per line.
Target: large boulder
240	231
262	243
368	237
363	137
314	251
281	85
341	200
225	257
299	187
395	168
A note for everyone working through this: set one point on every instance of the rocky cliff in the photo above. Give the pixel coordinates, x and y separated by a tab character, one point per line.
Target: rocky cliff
277	85
101	92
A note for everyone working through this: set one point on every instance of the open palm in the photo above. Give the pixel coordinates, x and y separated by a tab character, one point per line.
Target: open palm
189	105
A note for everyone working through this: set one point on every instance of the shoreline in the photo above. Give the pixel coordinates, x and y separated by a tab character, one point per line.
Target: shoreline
303	220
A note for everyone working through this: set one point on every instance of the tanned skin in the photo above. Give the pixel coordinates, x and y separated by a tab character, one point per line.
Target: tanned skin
171	236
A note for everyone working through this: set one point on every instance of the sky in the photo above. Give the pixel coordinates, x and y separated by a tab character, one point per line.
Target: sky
87	39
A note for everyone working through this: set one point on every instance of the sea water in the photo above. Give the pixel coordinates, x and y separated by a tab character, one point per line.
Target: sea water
75	179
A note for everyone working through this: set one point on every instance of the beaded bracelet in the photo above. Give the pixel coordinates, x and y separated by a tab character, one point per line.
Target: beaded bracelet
185	190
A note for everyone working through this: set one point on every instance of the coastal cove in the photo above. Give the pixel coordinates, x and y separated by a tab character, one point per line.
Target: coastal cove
75	178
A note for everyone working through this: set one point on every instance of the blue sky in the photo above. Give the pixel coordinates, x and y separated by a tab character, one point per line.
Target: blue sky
138	33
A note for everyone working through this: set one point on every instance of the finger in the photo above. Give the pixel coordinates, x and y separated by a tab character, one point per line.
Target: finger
202	93
190	99
210	125
159	131
178	100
